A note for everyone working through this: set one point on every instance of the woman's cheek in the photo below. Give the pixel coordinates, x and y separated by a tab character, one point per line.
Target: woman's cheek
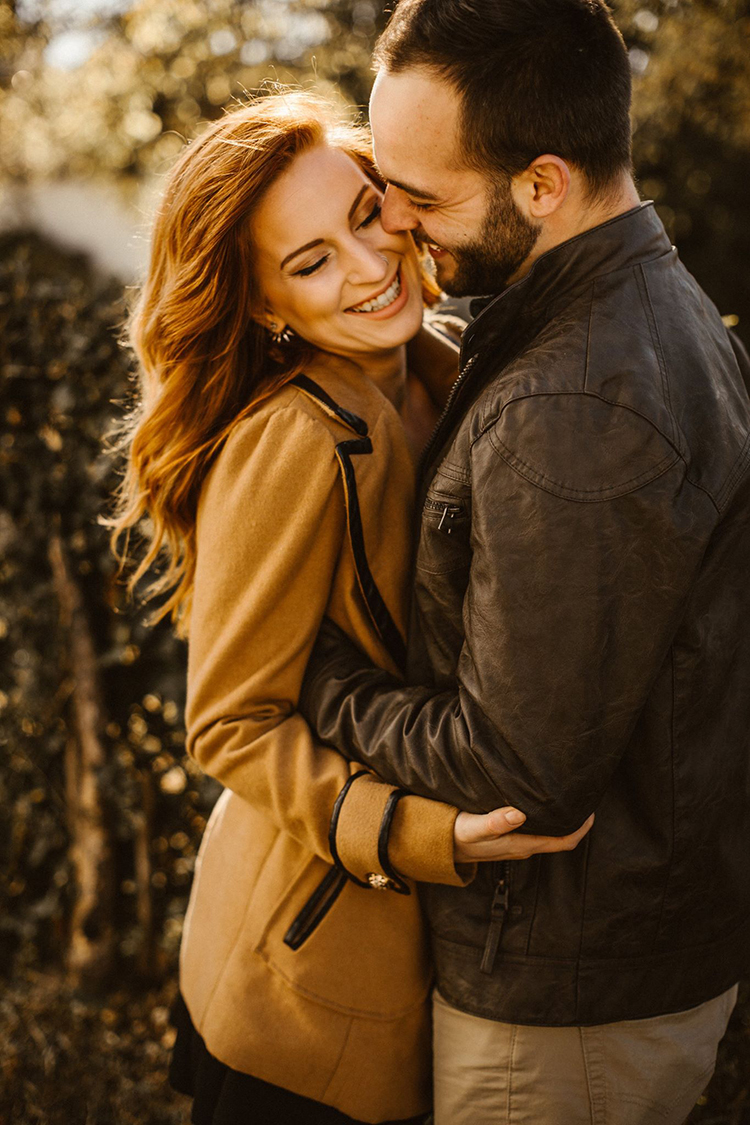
312	309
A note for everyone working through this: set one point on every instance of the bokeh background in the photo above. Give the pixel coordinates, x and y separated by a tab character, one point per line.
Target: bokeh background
102	813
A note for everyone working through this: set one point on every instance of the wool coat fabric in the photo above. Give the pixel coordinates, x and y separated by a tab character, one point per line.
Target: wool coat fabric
284	514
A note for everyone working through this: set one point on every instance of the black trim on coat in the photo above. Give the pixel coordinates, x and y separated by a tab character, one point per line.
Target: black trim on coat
380	615
328	890
316	908
334	825
306	384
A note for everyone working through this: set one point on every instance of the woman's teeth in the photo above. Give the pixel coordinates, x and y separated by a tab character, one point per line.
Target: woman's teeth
383	300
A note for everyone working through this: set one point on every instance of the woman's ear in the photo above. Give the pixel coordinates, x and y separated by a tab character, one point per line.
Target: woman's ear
269	320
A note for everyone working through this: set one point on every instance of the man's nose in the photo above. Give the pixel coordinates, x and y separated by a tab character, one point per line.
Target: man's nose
395	214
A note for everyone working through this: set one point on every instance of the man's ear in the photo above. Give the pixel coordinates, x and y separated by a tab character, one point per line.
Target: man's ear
543	187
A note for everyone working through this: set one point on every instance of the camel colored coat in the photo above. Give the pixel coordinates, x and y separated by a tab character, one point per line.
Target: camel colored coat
342	1018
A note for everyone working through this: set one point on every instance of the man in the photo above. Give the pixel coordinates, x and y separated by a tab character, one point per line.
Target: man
580	637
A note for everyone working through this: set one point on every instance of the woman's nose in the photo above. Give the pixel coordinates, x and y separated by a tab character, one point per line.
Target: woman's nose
367	264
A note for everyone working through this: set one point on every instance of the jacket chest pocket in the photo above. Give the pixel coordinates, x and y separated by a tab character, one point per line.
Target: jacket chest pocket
444	542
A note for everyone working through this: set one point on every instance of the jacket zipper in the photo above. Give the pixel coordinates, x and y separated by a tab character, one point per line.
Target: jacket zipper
315	909
448	511
498	914
449	403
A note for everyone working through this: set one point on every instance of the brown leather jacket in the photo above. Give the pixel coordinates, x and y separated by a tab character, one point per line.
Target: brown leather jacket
580	640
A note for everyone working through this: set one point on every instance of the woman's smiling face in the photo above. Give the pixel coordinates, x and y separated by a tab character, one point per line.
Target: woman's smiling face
326	267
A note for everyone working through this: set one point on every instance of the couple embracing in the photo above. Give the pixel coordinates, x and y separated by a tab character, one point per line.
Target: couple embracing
467	608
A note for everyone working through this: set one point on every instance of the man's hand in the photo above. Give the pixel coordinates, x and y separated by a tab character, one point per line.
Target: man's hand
491	836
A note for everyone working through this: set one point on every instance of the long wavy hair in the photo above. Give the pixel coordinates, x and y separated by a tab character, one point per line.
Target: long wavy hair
204	359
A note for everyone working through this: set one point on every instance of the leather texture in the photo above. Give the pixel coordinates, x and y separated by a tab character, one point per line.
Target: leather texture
580	638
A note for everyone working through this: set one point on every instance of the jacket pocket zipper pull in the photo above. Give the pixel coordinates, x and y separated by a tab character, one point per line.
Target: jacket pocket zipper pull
449	511
498	911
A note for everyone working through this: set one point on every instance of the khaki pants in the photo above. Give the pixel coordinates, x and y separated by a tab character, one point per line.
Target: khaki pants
638	1072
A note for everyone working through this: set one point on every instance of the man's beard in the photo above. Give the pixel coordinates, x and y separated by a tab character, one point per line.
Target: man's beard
486	264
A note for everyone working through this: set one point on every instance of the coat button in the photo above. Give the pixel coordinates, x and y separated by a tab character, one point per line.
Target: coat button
378	882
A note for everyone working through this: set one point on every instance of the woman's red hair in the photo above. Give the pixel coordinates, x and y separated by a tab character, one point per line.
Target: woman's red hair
204	362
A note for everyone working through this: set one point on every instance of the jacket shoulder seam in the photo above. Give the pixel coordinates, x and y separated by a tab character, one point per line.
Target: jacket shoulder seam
294	406
541	480
648	309
488	423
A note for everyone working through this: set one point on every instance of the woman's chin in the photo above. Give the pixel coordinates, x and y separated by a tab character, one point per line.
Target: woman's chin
404	325
414	322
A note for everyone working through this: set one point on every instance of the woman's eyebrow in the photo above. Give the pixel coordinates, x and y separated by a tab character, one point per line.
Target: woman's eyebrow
318	241
355	204
307	246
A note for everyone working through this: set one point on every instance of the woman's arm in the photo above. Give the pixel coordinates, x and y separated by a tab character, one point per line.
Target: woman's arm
271	525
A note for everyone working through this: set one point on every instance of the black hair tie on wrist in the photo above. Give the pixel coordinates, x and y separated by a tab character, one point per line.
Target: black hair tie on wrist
338	804
383	840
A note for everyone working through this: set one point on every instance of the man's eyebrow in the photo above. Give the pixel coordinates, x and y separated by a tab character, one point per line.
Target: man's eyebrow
318	241
419	192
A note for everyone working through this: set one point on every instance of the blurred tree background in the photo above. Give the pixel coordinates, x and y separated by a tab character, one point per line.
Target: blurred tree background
103	811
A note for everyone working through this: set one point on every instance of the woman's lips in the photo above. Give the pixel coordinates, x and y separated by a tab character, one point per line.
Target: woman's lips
389	310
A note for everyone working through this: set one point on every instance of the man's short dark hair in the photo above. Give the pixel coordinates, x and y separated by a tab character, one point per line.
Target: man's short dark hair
534	77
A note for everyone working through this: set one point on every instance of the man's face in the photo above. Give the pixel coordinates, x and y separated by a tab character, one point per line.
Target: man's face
473	228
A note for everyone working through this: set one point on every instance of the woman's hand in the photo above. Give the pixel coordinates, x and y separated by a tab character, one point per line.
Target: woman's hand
478	837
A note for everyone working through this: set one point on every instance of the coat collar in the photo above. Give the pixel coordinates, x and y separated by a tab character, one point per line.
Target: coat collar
558	276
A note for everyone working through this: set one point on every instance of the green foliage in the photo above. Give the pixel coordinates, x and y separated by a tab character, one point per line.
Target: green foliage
68	1059
61	368
163	67
692	135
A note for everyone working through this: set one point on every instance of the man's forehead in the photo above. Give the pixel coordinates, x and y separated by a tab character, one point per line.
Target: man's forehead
414	120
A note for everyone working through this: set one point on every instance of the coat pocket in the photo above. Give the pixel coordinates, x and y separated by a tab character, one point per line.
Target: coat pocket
445	533
357	950
315	909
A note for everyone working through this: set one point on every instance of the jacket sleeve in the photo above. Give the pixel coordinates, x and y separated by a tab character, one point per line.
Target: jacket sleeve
270	529
582	551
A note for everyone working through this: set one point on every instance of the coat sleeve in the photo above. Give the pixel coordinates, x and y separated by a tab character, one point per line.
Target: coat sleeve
270	529
582	552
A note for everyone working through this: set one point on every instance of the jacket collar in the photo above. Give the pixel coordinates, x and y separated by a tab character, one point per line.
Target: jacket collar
558	276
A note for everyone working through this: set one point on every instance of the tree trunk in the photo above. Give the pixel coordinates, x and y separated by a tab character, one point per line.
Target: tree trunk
91	942
144	895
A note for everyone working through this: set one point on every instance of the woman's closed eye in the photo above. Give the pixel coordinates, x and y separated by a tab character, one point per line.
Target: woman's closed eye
308	270
374	214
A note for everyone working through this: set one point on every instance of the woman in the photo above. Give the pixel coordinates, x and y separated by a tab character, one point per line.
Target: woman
273	452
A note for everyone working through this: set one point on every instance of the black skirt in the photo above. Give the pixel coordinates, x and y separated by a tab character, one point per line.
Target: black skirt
222	1096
